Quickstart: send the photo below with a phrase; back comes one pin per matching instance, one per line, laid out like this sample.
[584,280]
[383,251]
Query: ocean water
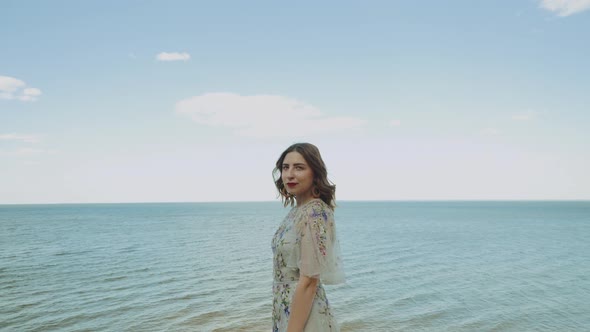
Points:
[411,266]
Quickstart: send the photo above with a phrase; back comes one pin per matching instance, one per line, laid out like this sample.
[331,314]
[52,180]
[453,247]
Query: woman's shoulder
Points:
[316,210]
[316,205]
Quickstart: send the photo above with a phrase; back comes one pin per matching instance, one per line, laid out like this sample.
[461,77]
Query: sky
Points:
[194,101]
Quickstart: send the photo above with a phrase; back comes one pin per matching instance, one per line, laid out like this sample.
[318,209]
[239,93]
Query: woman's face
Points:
[297,176]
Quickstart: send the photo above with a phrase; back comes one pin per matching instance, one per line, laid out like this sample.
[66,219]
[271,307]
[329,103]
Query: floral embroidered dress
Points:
[306,244]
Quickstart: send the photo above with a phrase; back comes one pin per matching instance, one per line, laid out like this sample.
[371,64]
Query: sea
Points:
[410,266]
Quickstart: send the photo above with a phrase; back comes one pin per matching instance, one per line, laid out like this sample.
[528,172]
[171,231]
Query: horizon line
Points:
[276,201]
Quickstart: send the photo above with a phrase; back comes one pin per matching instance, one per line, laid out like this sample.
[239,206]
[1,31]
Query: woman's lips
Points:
[291,185]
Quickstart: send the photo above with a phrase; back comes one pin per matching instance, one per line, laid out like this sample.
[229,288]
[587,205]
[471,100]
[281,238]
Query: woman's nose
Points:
[289,174]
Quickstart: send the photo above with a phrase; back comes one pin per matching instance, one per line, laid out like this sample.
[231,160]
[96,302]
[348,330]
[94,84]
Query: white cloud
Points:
[6,95]
[10,84]
[26,98]
[13,88]
[31,151]
[395,123]
[262,115]
[32,92]
[22,138]
[525,116]
[565,7]
[164,56]
[490,131]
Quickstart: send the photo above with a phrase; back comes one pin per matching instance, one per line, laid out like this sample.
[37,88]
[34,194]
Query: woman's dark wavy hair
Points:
[323,188]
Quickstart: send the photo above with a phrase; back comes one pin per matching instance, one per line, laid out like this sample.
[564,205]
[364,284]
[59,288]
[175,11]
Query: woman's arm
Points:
[301,303]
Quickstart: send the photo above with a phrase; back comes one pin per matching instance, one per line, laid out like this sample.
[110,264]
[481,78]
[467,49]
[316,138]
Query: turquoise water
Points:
[411,266]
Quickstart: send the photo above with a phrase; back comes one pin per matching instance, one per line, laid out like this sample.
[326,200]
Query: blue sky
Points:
[153,101]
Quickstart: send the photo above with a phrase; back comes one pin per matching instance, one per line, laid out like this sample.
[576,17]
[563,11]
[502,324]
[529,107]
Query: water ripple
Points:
[180,267]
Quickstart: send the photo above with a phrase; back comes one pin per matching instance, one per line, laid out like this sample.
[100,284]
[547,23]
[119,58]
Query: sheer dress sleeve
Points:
[319,248]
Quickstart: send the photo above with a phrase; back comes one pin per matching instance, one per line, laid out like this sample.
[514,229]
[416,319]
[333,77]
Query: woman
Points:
[305,248]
